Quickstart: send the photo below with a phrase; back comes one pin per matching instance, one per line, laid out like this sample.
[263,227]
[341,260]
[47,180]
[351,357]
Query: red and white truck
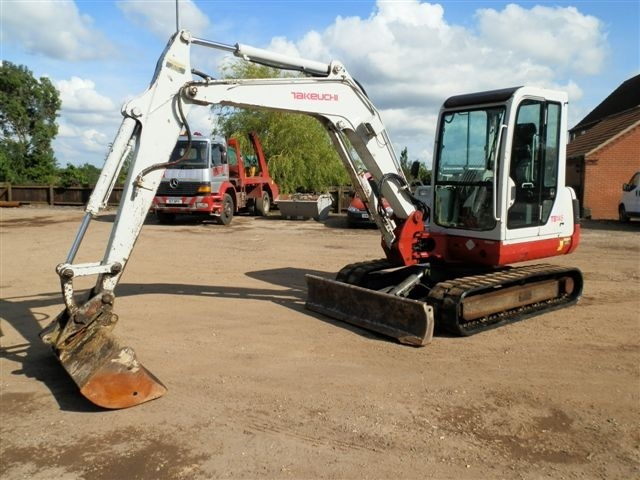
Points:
[215,180]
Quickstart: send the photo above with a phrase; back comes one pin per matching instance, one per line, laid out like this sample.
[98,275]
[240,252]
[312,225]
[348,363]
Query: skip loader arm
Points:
[109,374]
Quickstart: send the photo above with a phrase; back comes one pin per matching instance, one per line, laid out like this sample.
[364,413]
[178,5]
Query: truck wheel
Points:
[263,205]
[226,215]
[165,218]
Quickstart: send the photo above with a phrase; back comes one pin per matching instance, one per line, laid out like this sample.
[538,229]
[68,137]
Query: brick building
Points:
[604,151]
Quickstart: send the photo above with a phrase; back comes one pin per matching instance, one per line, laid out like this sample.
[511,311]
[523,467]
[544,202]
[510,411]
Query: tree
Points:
[424,175]
[28,110]
[404,162]
[86,174]
[300,153]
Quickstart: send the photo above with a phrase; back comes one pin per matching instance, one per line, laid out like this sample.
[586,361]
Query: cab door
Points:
[219,164]
[534,171]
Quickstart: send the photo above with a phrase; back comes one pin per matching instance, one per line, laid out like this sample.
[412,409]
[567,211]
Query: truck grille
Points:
[182,189]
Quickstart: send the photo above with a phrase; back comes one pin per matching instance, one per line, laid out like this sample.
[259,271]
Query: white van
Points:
[630,200]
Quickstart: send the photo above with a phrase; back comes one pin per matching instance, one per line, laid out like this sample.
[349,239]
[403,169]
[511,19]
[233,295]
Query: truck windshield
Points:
[465,166]
[196,158]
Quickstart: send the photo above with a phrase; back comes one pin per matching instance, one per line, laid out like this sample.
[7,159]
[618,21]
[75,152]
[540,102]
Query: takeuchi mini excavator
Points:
[498,198]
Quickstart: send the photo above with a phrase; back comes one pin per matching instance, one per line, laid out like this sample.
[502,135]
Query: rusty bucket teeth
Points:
[409,321]
[108,374]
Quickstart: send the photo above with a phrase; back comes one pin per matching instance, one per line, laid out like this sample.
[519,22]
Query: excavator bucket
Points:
[409,321]
[107,373]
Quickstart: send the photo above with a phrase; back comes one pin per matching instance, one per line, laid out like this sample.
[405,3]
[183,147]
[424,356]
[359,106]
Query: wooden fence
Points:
[79,196]
[52,195]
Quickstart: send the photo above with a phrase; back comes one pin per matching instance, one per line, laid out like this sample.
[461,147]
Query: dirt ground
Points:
[259,387]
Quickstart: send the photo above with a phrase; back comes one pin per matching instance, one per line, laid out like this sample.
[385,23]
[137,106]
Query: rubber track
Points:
[446,297]
[355,272]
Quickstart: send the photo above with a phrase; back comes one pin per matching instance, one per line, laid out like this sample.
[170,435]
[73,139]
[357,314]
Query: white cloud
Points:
[561,37]
[410,59]
[54,29]
[413,128]
[94,140]
[79,95]
[78,145]
[87,123]
[160,16]
[201,120]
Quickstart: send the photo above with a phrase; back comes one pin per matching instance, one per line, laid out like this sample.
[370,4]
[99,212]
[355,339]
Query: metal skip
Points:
[409,321]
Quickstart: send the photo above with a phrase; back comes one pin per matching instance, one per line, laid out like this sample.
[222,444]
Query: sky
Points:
[409,55]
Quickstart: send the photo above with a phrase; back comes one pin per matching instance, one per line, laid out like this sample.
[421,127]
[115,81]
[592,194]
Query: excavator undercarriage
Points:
[410,303]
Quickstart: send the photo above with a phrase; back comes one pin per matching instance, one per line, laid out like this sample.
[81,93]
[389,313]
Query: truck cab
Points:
[215,180]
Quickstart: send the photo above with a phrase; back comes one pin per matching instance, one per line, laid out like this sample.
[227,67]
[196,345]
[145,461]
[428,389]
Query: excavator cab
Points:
[465,169]
[498,177]
[498,198]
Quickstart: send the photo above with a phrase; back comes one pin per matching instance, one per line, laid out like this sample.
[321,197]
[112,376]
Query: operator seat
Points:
[521,213]
[521,156]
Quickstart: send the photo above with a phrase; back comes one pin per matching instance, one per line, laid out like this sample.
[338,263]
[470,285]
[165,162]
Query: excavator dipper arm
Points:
[106,372]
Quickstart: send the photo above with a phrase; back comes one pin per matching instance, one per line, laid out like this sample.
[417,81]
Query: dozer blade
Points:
[107,373]
[409,321]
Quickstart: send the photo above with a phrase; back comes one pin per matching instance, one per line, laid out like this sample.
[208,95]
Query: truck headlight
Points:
[204,189]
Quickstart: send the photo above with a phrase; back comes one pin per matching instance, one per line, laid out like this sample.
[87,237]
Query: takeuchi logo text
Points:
[323,97]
